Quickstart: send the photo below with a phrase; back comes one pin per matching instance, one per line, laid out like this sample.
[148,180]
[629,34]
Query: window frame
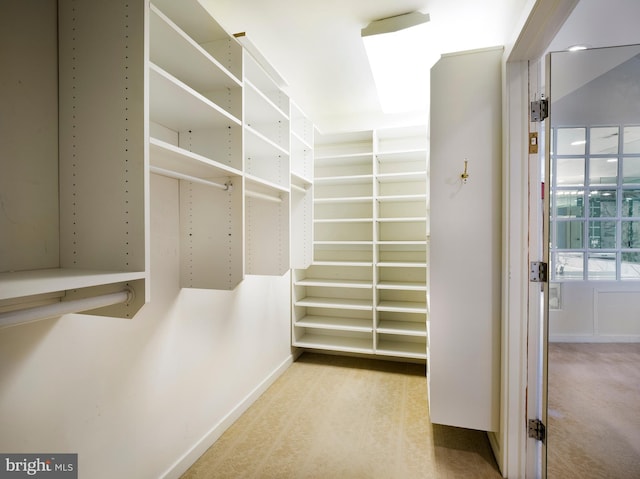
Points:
[590,222]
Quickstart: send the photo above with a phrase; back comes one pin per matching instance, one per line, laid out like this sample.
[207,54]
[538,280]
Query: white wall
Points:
[596,311]
[131,397]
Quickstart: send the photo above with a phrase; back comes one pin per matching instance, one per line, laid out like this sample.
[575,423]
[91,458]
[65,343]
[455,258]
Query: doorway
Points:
[593,133]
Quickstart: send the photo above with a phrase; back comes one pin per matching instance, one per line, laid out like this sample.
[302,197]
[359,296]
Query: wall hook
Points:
[464,174]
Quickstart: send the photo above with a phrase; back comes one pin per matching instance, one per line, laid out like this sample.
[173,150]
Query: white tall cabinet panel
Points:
[465,249]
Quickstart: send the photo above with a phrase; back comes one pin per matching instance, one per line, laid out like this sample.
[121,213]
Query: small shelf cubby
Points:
[333,305]
[266,126]
[267,238]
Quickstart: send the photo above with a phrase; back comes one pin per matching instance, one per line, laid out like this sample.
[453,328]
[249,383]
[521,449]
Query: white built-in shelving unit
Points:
[122,89]
[366,289]
[195,113]
[221,125]
[73,155]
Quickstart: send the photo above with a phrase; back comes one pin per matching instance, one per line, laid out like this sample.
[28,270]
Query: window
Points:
[595,203]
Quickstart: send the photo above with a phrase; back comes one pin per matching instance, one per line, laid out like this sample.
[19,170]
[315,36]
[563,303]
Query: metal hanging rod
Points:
[65,307]
[193,179]
[263,196]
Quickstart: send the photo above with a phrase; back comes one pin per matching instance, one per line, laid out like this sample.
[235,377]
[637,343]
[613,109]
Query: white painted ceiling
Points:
[316,47]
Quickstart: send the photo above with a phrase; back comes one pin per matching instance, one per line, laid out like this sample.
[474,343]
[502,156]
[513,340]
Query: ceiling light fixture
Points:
[577,48]
[398,52]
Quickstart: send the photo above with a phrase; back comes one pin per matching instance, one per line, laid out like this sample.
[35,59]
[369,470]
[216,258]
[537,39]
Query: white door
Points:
[592,240]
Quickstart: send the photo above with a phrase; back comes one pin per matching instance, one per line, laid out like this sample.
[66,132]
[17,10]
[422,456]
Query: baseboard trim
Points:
[570,338]
[199,448]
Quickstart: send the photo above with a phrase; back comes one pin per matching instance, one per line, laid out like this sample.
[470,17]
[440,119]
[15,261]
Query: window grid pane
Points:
[630,266]
[601,266]
[595,203]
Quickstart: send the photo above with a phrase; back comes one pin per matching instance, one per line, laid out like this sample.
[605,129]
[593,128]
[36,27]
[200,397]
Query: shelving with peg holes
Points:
[73,182]
[195,113]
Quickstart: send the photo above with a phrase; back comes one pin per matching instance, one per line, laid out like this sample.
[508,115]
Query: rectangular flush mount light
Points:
[397,49]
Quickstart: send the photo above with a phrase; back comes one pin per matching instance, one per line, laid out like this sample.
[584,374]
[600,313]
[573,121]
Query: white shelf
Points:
[402,306]
[340,283]
[29,283]
[391,198]
[260,108]
[338,303]
[261,81]
[171,157]
[300,180]
[401,264]
[343,180]
[175,51]
[301,127]
[335,323]
[400,285]
[258,145]
[402,349]
[352,199]
[344,158]
[179,107]
[343,220]
[408,328]
[413,219]
[335,343]
[403,243]
[343,243]
[296,137]
[401,177]
[363,264]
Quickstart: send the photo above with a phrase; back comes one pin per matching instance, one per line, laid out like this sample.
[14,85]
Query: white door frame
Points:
[520,457]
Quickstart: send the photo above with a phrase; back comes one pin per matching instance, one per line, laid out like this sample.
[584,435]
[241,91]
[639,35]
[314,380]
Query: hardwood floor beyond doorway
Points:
[342,417]
[594,411]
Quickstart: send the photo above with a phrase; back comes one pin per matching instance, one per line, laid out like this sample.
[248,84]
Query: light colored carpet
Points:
[594,411]
[348,418]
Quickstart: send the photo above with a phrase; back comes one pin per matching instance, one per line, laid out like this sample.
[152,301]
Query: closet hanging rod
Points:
[192,179]
[298,188]
[263,196]
[65,307]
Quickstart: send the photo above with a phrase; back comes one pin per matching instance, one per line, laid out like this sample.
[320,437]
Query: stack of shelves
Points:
[221,125]
[122,89]
[366,289]
[73,155]
[195,96]
[267,172]
[401,220]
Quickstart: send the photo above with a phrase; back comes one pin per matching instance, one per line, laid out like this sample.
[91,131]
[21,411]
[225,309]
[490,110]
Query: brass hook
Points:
[464,174]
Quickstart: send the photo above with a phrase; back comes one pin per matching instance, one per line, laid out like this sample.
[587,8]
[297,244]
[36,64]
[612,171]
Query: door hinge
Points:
[538,272]
[539,110]
[537,430]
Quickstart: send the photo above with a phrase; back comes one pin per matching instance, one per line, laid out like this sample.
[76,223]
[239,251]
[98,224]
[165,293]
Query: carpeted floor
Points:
[594,411]
[347,418]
